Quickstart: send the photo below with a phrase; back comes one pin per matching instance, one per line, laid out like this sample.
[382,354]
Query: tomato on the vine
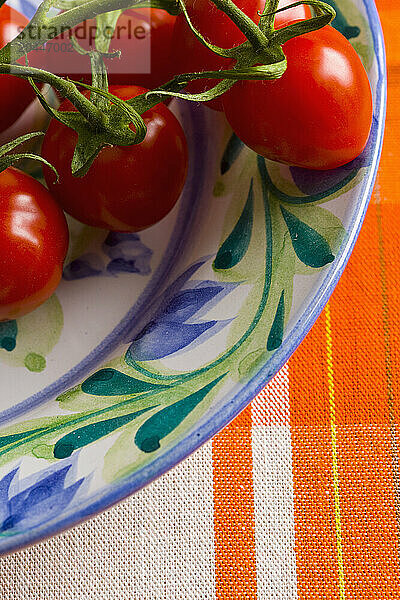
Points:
[127,188]
[190,55]
[15,94]
[318,115]
[142,35]
[33,244]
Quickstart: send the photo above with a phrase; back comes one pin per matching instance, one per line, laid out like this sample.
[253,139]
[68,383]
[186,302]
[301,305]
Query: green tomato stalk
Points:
[104,119]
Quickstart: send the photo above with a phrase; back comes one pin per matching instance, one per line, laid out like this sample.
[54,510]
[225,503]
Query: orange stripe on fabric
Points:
[364,388]
[235,562]
[362,415]
[388,220]
[316,540]
[358,337]
[389,12]
[389,216]
[308,387]
[364,447]
[389,163]
[387,197]
[369,532]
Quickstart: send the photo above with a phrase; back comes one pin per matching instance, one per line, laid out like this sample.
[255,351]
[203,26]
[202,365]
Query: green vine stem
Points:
[260,57]
[96,118]
[266,22]
[8,158]
[67,88]
[42,28]
[65,422]
[230,76]
[250,29]
[323,15]
[103,119]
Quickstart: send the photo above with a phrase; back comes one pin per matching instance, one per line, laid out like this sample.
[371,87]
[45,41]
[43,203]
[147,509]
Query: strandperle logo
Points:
[61,55]
[86,31]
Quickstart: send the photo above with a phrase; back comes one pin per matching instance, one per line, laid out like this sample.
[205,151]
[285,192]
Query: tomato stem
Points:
[102,118]
[99,80]
[8,157]
[67,88]
[267,19]
[324,14]
[250,29]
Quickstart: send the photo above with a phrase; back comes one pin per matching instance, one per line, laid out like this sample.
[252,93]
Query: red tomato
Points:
[33,244]
[126,188]
[15,94]
[142,35]
[317,115]
[190,55]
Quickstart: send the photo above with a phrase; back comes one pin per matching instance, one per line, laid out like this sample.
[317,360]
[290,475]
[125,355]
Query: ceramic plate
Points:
[155,341]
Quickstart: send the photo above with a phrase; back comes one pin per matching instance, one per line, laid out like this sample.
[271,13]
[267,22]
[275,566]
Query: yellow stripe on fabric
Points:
[335,468]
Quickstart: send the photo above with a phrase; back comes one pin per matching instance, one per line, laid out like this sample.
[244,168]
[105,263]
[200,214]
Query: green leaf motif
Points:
[27,341]
[341,24]
[109,382]
[8,335]
[236,244]
[310,247]
[91,433]
[231,153]
[9,439]
[276,334]
[156,428]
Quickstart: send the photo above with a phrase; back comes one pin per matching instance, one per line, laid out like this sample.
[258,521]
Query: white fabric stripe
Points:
[157,545]
[274,512]
[272,403]
[174,531]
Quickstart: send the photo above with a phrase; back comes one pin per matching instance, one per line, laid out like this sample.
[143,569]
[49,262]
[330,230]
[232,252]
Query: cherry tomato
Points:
[15,94]
[190,55]
[33,244]
[126,188]
[142,35]
[317,115]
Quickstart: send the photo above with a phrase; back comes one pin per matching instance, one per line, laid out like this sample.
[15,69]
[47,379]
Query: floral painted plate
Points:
[155,341]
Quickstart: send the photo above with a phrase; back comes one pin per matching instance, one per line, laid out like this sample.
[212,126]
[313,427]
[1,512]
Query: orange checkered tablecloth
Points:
[300,496]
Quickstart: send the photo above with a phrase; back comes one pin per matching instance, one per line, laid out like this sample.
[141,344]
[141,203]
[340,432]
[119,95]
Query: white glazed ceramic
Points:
[155,341]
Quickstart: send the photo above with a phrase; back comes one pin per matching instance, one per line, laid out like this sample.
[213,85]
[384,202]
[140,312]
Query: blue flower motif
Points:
[30,502]
[125,253]
[178,322]
[128,254]
[87,265]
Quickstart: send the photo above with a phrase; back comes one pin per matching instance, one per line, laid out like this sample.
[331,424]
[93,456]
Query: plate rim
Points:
[117,492]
